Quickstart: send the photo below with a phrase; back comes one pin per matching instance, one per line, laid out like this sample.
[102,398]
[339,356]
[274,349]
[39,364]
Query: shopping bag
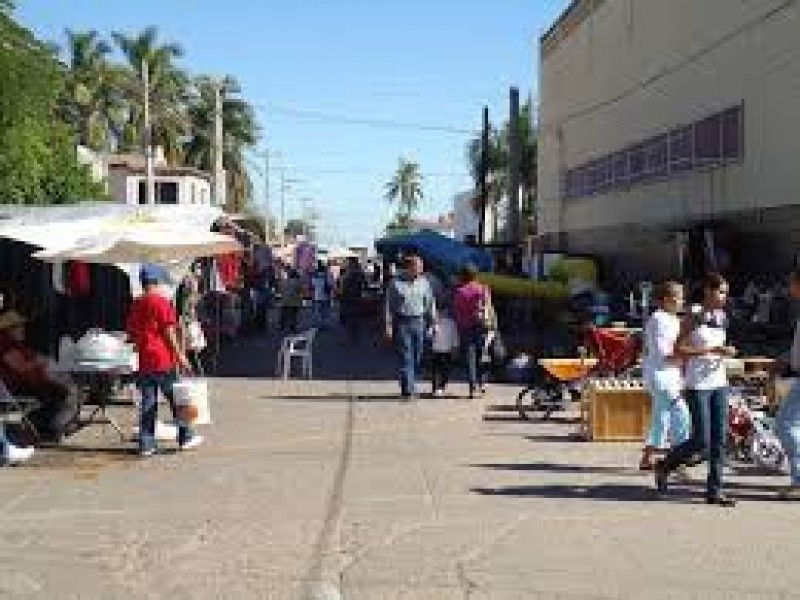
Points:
[192,401]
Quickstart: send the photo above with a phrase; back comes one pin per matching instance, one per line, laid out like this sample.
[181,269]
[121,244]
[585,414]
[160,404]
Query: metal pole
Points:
[283,207]
[150,186]
[484,173]
[219,175]
[266,188]
[514,170]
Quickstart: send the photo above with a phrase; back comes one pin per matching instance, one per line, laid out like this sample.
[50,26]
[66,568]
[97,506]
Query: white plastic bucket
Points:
[193,392]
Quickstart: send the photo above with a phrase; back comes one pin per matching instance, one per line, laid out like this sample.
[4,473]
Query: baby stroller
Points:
[751,436]
[558,382]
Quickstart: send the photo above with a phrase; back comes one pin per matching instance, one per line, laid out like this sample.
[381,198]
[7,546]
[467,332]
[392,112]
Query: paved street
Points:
[333,489]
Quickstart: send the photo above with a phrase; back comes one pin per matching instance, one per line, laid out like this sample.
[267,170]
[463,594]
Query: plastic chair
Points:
[297,346]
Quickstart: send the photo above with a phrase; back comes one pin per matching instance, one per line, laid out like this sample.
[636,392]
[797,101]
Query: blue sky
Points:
[428,62]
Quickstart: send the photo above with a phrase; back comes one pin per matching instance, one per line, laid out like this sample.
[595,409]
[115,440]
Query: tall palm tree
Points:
[89,101]
[240,133]
[498,162]
[169,89]
[404,190]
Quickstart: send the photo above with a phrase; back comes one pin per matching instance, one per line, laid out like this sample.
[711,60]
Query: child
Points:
[443,346]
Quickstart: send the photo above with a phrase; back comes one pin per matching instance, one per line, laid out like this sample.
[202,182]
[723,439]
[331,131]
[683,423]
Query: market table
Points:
[98,380]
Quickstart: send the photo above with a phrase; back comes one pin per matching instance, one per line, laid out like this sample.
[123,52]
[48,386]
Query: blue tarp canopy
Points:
[439,252]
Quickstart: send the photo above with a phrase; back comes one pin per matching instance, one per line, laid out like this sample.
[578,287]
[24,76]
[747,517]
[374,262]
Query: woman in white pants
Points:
[670,421]
[787,425]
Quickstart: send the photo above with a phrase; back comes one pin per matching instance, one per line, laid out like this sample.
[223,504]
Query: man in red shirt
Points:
[152,323]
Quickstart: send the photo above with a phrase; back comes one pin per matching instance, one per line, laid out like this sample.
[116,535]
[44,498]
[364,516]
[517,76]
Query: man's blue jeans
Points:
[149,386]
[709,412]
[787,426]
[409,339]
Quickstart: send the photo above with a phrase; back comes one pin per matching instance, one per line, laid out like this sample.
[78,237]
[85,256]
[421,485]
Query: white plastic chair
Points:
[297,346]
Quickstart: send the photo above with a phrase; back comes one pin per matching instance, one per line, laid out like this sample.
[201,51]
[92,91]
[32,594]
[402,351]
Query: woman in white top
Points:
[703,343]
[670,421]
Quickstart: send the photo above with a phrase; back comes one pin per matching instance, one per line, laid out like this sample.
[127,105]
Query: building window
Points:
[620,168]
[638,160]
[166,192]
[681,149]
[656,157]
[708,143]
[732,133]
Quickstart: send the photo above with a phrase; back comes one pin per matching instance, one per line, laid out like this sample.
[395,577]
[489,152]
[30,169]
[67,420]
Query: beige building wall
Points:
[632,69]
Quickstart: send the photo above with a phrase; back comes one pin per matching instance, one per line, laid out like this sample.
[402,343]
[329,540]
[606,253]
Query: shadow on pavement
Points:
[556,468]
[333,398]
[603,492]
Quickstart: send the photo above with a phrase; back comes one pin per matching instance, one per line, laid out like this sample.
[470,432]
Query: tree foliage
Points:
[38,157]
[404,190]
[107,100]
[498,161]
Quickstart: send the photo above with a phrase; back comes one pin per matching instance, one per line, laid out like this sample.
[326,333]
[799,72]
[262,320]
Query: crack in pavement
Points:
[468,586]
[316,586]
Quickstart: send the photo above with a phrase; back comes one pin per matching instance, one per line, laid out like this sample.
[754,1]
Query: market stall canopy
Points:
[114,234]
[438,251]
[340,254]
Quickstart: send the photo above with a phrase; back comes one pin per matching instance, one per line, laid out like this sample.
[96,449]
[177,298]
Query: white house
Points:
[125,176]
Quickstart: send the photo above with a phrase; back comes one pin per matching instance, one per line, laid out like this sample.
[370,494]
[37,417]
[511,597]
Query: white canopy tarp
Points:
[113,233]
[121,235]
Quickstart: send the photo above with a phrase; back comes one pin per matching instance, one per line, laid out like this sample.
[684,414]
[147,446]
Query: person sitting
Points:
[25,374]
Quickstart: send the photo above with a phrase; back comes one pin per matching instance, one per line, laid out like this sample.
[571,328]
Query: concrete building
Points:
[668,136]
[125,178]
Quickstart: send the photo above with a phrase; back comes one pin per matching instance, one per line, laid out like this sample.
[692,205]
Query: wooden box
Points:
[618,411]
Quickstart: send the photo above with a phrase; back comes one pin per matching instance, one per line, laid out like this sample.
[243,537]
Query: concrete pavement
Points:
[333,489]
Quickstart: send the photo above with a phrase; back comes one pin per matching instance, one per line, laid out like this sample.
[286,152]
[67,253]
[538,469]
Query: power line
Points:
[333,118]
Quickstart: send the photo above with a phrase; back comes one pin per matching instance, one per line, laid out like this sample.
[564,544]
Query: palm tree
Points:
[240,133]
[87,62]
[169,89]
[498,163]
[405,190]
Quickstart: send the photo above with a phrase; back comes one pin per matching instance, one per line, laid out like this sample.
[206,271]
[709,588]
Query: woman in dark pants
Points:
[702,342]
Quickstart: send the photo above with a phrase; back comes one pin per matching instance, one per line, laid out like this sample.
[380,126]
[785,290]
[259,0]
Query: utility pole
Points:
[150,185]
[266,186]
[514,169]
[484,175]
[282,223]
[219,174]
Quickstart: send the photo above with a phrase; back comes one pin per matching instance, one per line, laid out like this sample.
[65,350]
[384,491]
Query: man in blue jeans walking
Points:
[410,310]
[152,323]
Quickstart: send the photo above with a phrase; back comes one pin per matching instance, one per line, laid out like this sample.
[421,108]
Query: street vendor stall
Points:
[123,236]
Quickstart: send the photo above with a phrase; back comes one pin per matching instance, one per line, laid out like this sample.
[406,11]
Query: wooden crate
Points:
[617,413]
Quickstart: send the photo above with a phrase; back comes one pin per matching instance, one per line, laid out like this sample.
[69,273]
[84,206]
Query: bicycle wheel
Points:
[536,402]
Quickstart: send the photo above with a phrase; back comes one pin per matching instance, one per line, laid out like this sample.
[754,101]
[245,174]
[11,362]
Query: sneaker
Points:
[790,493]
[147,453]
[438,393]
[194,442]
[682,474]
[14,455]
[720,499]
